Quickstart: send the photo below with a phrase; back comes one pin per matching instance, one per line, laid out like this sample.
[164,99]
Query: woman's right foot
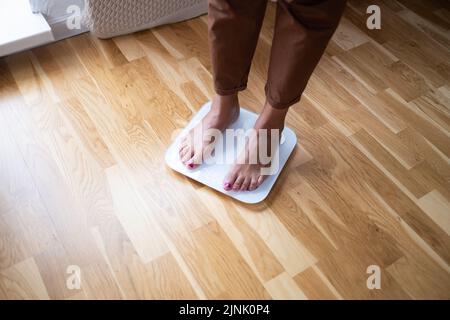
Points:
[254,164]
[200,141]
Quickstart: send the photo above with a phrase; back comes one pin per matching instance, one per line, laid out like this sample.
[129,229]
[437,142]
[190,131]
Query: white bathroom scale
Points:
[213,172]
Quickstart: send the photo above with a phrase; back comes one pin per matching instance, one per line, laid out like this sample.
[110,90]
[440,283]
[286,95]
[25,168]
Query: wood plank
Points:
[313,286]
[283,287]
[22,282]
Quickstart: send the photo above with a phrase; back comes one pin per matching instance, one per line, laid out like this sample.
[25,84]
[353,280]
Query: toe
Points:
[227,186]
[182,151]
[195,161]
[260,180]
[200,155]
[190,164]
[253,184]
[229,181]
[187,156]
[245,184]
[237,184]
[184,143]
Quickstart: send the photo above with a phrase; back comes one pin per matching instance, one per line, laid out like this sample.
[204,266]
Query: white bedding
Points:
[109,18]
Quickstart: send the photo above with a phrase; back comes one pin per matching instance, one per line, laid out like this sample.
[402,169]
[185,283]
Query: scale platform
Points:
[213,173]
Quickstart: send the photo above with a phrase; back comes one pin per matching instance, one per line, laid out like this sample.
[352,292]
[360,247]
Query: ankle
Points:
[271,117]
[226,102]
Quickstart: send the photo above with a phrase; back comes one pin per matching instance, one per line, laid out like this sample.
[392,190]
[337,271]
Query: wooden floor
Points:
[84,124]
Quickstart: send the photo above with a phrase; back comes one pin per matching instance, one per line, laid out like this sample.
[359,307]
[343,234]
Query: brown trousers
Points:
[302,31]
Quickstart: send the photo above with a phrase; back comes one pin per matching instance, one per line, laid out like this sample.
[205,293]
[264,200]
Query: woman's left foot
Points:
[250,170]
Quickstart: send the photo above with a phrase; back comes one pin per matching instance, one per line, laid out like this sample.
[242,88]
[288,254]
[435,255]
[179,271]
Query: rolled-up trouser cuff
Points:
[280,104]
[227,92]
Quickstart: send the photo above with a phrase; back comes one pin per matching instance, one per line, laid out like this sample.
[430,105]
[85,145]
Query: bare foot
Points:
[199,142]
[248,172]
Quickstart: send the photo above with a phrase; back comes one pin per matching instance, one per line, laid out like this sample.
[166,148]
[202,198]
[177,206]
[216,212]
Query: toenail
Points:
[227,185]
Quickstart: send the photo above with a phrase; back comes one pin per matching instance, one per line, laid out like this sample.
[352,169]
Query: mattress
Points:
[109,18]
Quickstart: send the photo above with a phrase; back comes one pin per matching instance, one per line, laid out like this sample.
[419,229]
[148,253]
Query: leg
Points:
[234,27]
[302,31]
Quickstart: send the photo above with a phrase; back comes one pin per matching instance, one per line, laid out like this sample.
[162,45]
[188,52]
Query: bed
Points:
[109,18]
